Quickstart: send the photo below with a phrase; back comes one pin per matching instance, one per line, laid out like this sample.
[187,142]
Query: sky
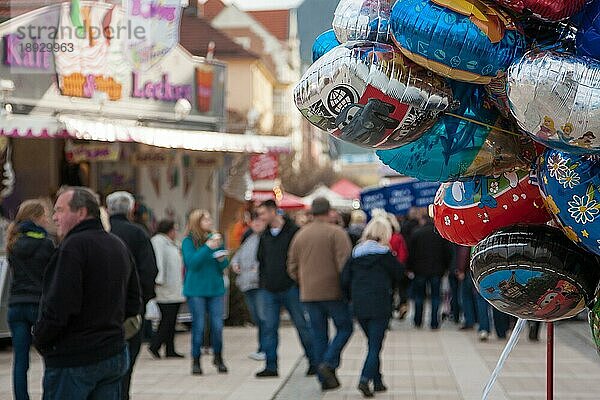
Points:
[265,4]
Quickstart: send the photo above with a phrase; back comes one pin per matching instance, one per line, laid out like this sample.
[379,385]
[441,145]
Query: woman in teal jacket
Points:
[204,259]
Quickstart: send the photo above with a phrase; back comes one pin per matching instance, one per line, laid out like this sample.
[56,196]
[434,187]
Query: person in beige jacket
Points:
[316,258]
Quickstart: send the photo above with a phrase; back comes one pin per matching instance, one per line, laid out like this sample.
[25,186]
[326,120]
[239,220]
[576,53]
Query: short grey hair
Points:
[120,203]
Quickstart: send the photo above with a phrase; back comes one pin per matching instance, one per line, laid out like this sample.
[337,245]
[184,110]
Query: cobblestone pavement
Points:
[417,364]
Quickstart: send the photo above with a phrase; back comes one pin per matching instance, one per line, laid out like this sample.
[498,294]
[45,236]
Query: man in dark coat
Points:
[90,288]
[120,207]
[277,289]
[429,257]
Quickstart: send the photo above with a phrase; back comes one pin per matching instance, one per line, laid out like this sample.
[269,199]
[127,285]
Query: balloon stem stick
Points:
[550,362]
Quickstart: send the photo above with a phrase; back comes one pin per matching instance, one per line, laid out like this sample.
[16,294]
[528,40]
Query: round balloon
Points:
[555,97]
[324,43]
[362,20]
[571,185]
[588,34]
[467,212]
[464,40]
[553,10]
[467,143]
[366,94]
[549,35]
[535,273]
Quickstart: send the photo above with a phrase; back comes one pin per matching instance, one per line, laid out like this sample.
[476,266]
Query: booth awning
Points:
[38,126]
[337,202]
[287,202]
[346,189]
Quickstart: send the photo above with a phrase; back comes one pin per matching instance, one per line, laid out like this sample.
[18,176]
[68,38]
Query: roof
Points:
[196,34]
[337,201]
[13,8]
[287,202]
[346,189]
[277,22]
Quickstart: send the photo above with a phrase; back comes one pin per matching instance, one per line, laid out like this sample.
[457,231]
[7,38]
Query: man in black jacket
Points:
[120,207]
[277,288]
[90,288]
[429,257]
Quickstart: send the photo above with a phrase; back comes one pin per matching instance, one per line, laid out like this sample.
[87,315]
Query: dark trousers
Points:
[98,381]
[374,329]
[256,313]
[166,329]
[454,297]
[21,317]
[325,351]
[420,284]
[133,344]
[271,303]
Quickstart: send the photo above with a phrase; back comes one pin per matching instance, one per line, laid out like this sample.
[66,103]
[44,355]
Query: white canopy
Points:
[336,201]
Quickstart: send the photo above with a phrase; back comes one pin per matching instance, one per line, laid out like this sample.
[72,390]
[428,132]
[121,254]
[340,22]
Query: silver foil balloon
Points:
[555,97]
[362,20]
[366,94]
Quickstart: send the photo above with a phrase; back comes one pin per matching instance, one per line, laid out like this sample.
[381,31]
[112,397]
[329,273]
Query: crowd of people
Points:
[81,304]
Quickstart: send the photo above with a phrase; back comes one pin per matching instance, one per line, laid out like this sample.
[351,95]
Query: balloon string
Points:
[512,342]
[481,123]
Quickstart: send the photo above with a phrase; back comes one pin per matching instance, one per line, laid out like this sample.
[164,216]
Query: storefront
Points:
[114,113]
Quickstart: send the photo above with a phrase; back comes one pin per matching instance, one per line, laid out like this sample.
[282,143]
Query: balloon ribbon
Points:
[474,121]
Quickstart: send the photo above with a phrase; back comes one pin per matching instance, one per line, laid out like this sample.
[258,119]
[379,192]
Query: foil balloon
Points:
[471,141]
[466,212]
[535,273]
[594,320]
[362,20]
[571,185]
[463,40]
[555,97]
[552,10]
[549,35]
[588,34]
[324,43]
[366,94]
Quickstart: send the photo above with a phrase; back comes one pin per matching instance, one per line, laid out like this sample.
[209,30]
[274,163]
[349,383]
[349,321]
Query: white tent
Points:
[337,202]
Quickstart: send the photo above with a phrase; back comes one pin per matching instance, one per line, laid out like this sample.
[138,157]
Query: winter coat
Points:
[245,257]
[90,288]
[368,280]
[27,261]
[169,280]
[272,258]
[316,258]
[138,242]
[429,255]
[203,272]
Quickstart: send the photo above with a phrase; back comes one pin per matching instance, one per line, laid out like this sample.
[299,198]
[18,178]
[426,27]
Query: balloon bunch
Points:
[500,101]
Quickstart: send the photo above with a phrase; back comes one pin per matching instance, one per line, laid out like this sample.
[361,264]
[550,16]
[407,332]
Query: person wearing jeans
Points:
[316,257]
[29,251]
[429,258]
[204,286]
[367,281]
[271,303]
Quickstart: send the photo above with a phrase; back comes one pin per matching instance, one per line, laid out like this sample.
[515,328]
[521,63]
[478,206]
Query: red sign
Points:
[264,167]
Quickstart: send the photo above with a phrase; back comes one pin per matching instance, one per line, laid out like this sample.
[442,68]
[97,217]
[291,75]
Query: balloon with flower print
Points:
[571,186]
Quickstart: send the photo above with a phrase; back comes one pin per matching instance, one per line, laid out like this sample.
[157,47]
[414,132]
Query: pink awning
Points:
[287,202]
[346,189]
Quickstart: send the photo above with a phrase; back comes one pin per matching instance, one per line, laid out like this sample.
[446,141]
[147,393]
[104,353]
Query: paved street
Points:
[418,364]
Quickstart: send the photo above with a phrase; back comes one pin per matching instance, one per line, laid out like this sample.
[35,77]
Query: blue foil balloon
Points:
[464,40]
[571,186]
[456,148]
[362,20]
[588,35]
[325,42]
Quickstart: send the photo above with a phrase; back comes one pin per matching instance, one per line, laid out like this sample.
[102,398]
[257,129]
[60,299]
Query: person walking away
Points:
[29,250]
[278,288]
[120,207]
[204,259]
[429,257]
[90,290]
[367,281]
[400,250]
[245,264]
[358,221]
[169,287]
[316,257]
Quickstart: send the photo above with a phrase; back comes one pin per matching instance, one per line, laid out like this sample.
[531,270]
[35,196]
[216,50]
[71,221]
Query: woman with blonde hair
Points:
[368,279]
[29,250]
[204,259]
